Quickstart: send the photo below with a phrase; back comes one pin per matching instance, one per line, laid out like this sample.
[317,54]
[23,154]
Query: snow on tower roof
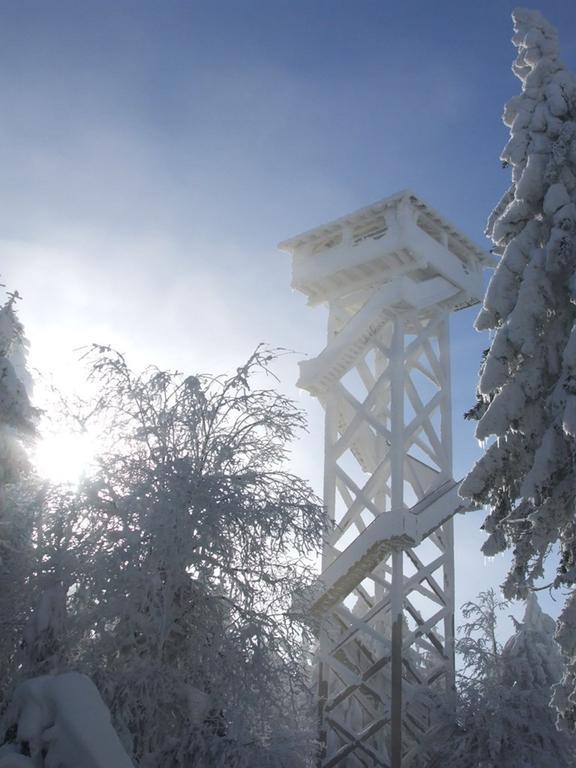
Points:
[370,212]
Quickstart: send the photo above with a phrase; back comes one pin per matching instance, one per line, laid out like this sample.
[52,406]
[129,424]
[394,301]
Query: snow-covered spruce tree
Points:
[175,565]
[504,718]
[527,388]
[17,426]
[17,416]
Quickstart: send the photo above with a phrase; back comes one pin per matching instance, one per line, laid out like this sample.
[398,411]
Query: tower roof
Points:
[372,212]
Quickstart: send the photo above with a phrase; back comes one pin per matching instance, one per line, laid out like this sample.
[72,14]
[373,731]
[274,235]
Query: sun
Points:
[65,457]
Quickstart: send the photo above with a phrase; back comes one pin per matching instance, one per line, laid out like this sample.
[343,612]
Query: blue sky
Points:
[153,154]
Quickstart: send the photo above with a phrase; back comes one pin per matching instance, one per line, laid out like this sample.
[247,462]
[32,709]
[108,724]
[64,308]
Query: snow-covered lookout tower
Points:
[391,274]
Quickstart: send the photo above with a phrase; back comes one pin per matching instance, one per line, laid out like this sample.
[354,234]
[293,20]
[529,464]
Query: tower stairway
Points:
[377,541]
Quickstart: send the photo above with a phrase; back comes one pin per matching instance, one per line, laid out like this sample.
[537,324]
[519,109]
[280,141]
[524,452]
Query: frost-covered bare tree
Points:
[168,577]
[504,718]
[527,388]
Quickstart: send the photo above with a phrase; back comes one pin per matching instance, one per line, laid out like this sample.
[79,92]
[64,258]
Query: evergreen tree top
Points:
[531,658]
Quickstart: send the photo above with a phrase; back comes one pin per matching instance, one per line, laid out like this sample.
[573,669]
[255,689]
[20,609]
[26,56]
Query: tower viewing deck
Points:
[390,274]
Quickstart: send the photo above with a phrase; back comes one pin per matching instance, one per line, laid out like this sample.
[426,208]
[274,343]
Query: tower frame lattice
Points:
[391,274]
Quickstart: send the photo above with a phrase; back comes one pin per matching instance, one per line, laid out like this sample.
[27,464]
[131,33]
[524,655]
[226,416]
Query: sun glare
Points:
[64,458]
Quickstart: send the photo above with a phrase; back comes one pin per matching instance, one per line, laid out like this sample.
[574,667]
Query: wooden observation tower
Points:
[390,274]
